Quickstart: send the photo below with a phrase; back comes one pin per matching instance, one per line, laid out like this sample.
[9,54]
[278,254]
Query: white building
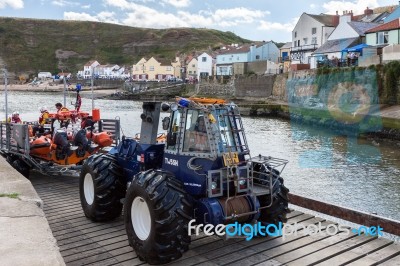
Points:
[310,32]
[204,65]
[44,75]
[89,69]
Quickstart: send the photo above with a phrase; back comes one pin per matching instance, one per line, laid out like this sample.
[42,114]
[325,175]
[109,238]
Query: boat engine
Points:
[63,146]
[83,144]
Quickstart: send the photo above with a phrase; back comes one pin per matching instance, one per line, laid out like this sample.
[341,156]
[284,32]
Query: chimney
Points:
[337,13]
[368,11]
[343,12]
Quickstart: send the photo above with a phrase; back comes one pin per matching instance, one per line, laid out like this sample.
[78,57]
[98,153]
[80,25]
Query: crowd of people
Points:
[43,118]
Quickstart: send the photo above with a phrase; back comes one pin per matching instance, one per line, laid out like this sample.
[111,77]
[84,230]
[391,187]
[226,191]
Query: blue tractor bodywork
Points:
[202,171]
[220,178]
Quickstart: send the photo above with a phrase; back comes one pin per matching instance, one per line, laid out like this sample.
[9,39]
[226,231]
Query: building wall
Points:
[177,68]
[206,66]
[267,51]
[232,58]
[192,68]
[240,68]
[391,52]
[254,86]
[154,69]
[138,71]
[283,50]
[303,29]
[393,37]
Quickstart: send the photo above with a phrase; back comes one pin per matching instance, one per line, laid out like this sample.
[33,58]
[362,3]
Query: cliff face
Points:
[28,46]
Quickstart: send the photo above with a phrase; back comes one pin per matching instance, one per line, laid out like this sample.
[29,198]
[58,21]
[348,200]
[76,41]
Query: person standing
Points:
[61,108]
[64,120]
[15,118]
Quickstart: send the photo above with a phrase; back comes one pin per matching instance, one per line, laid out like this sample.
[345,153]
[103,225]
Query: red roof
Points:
[391,25]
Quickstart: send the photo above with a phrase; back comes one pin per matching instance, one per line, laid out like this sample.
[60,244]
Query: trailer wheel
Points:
[101,187]
[156,213]
[22,167]
[277,211]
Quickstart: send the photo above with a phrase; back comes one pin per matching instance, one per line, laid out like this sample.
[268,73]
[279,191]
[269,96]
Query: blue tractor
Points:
[203,172]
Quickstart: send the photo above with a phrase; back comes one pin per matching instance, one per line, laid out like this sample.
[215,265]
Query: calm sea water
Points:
[359,174]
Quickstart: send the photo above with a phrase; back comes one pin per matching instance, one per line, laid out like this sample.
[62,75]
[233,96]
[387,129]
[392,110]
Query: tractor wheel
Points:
[22,167]
[277,211]
[156,213]
[101,187]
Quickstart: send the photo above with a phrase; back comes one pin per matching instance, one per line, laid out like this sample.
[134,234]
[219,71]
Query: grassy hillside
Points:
[31,45]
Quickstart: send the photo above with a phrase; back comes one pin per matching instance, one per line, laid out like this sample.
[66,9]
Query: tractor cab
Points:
[205,131]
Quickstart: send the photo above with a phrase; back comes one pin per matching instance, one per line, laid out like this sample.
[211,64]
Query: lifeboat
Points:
[40,146]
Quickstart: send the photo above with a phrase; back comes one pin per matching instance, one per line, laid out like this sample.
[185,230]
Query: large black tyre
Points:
[276,213]
[19,165]
[101,187]
[156,213]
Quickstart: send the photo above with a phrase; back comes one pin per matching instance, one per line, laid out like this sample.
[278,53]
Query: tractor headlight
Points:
[214,185]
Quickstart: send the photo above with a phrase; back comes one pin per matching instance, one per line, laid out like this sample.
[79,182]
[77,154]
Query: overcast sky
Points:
[251,19]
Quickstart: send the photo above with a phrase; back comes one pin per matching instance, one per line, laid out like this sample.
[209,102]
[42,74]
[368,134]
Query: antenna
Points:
[6,92]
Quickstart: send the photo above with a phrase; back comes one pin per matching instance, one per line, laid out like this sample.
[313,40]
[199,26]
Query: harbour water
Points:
[361,174]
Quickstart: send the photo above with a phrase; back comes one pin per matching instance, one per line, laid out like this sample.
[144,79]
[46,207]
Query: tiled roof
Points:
[90,63]
[392,25]
[287,45]
[236,50]
[362,27]
[327,20]
[375,17]
[338,45]
[164,62]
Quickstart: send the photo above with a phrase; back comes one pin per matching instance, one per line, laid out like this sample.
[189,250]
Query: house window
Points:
[314,40]
[305,40]
[257,57]
[295,43]
[190,72]
[298,43]
[193,65]
[204,59]
[169,68]
[295,34]
[151,68]
[237,58]
[313,30]
[382,37]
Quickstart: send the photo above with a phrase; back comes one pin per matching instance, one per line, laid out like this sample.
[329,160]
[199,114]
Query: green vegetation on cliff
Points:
[32,45]
[386,80]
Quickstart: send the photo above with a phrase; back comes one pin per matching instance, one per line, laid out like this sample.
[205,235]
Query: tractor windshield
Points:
[232,138]
[196,138]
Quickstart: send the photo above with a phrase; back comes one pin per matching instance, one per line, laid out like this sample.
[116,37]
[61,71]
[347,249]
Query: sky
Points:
[257,20]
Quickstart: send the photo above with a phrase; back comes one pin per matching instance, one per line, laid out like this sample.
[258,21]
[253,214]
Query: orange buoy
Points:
[96,114]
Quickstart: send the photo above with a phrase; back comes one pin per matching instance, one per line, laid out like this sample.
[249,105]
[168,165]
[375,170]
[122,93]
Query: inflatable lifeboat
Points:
[65,148]
[40,146]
